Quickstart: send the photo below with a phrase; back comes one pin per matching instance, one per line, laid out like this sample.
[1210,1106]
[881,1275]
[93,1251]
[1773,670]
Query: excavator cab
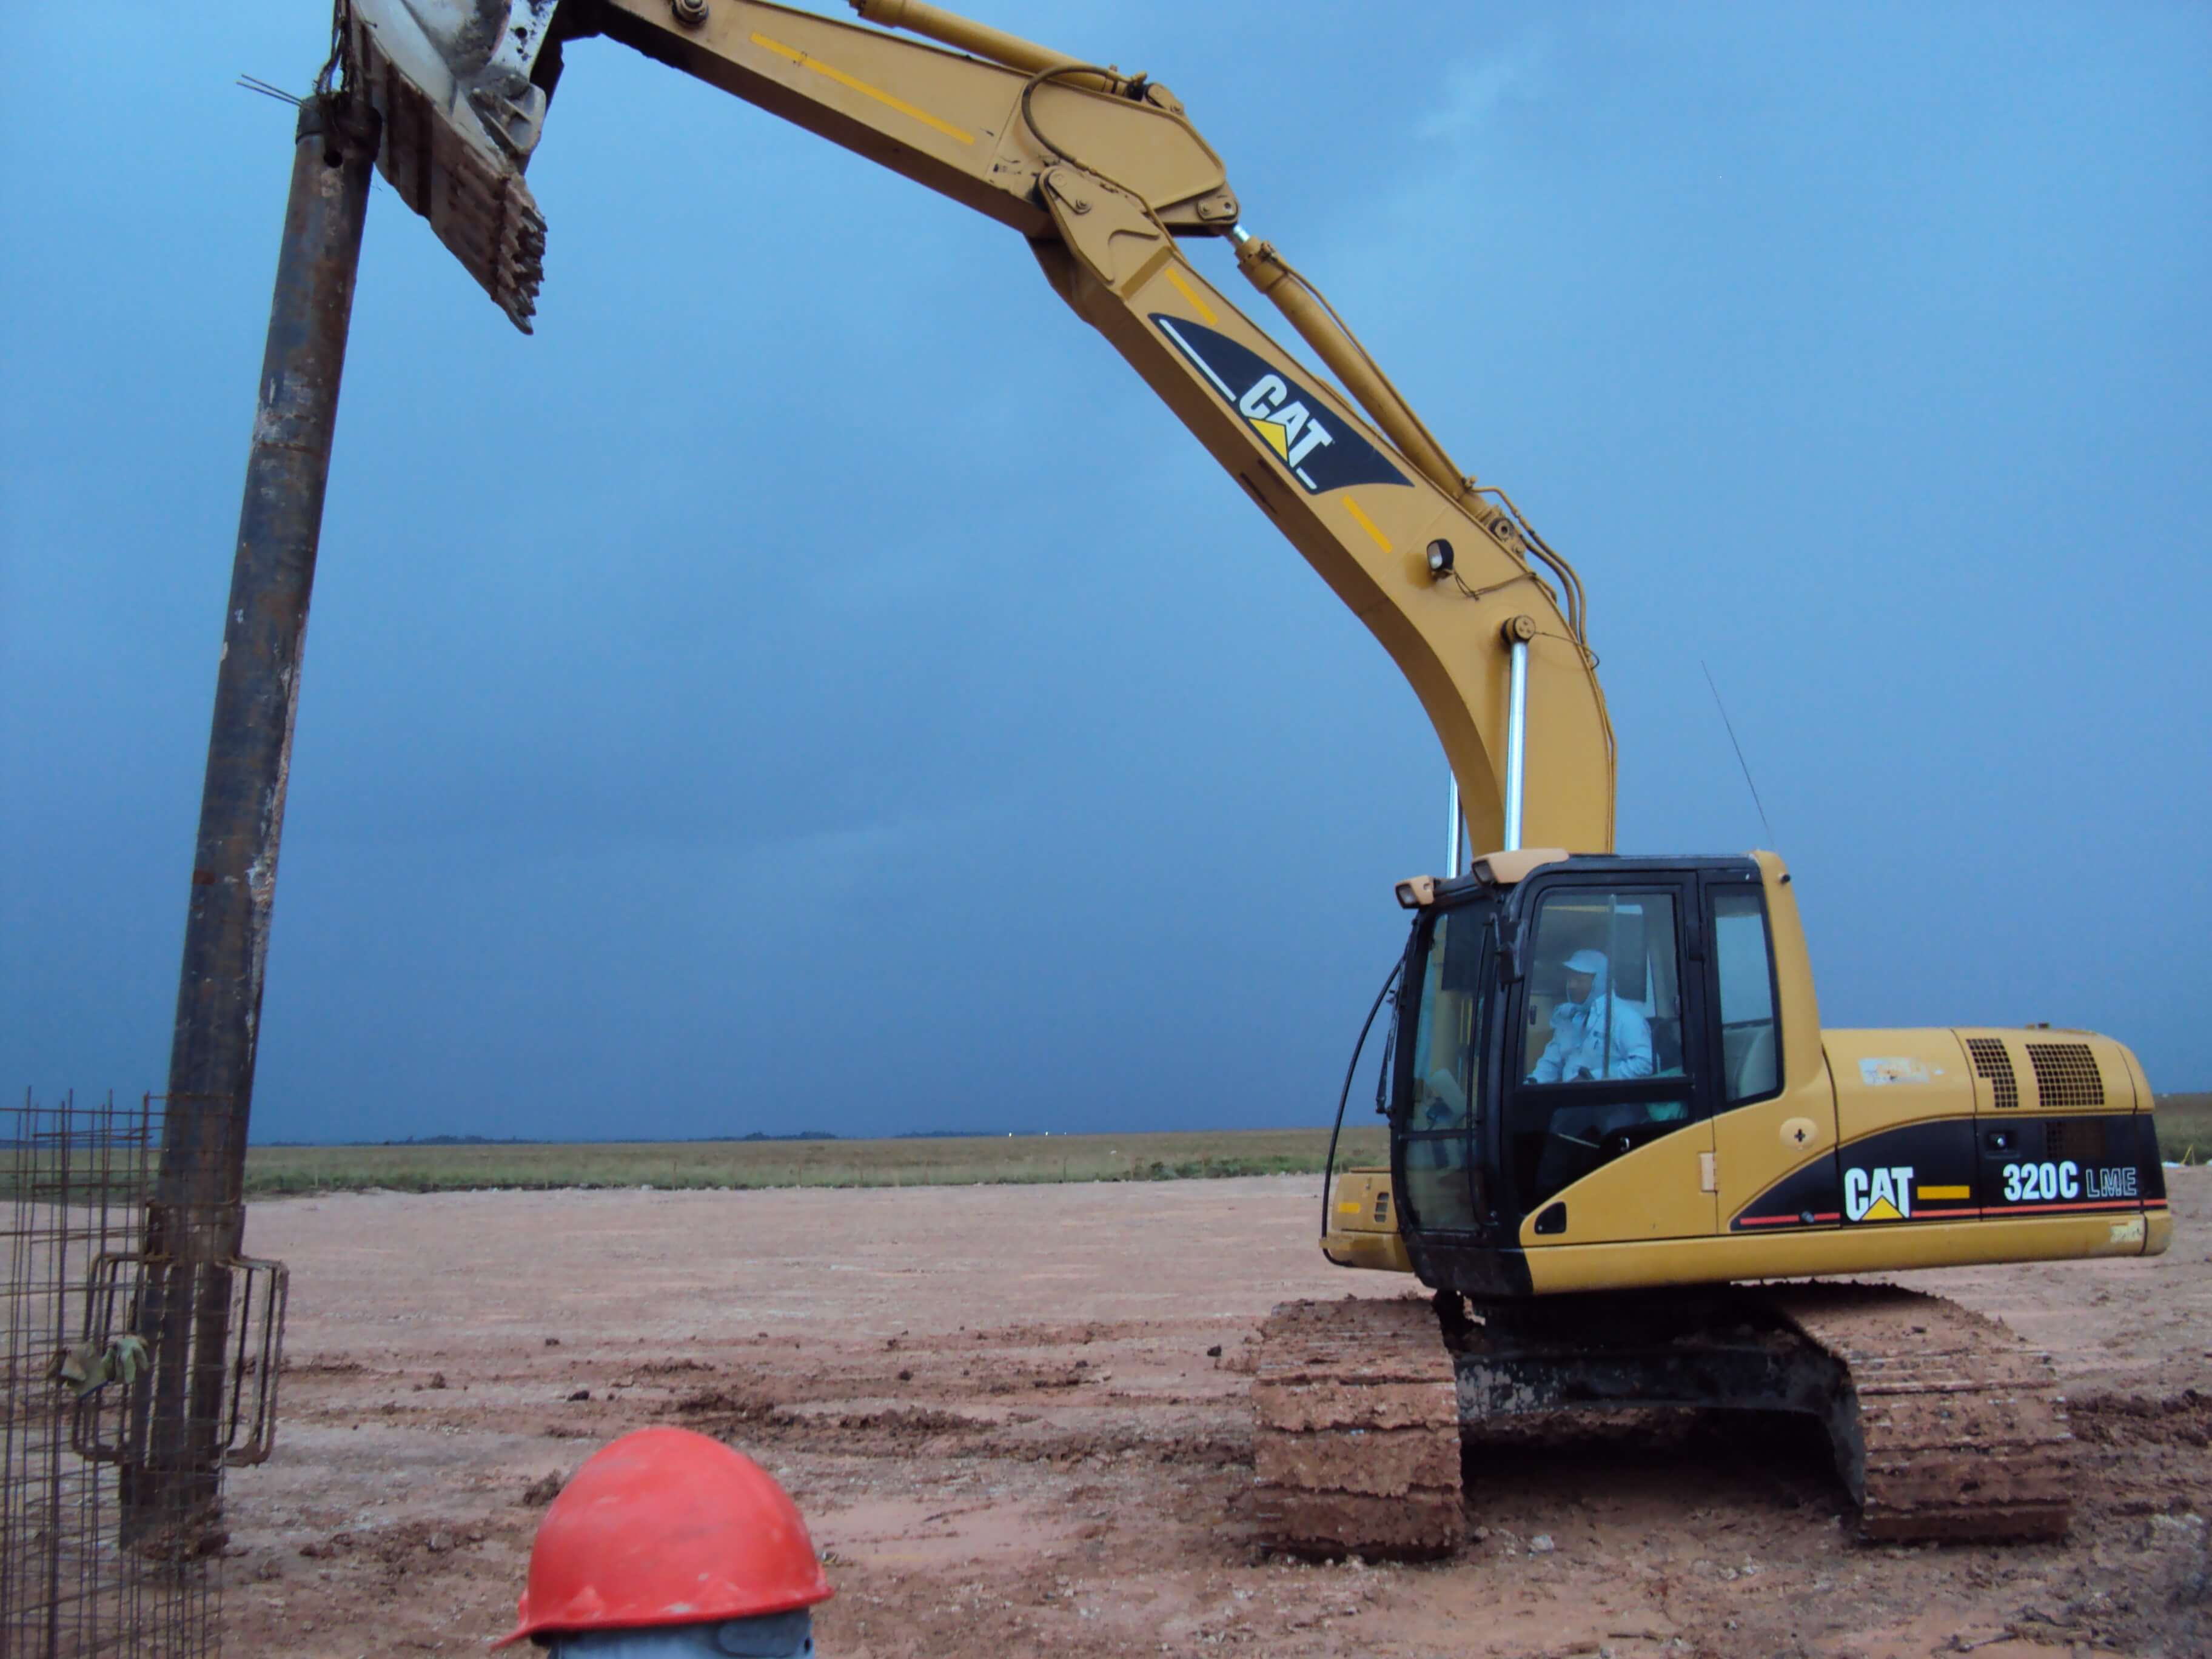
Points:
[1608,1073]
[1562,1017]
[1617,1132]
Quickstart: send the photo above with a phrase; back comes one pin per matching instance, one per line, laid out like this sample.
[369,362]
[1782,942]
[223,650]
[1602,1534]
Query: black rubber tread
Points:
[1356,1432]
[1950,1427]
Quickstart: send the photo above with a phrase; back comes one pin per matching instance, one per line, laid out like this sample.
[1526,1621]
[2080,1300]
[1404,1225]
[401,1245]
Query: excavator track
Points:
[1356,1432]
[1943,1424]
[1949,1427]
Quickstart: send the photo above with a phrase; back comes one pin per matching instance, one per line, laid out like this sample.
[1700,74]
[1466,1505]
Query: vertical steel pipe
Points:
[195,1227]
[1517,743]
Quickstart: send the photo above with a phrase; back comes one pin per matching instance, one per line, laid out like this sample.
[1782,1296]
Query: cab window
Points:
[1440,1181]
[1750,1061]
[1604,998]
[1444,1044]
[1601,1069]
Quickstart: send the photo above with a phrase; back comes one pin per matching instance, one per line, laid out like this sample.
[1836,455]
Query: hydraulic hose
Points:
[1344,1097]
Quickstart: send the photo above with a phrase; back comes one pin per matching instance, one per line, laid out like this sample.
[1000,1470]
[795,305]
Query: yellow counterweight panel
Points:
[2137,1078]
[2037,1069]
[1885,1080]
[1383,1253]
[1363,1223]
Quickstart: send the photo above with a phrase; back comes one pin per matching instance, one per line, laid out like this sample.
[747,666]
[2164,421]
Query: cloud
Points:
[1477,92]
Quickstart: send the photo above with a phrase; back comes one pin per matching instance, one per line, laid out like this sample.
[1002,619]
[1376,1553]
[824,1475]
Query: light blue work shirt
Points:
[1603,1036]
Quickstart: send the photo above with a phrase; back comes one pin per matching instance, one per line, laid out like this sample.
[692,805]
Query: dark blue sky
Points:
[812,682]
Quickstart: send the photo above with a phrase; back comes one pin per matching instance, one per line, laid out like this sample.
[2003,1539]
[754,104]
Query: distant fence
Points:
[74,1184]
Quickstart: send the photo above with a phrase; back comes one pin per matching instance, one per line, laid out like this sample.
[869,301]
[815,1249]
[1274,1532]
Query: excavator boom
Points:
[1104,175]
[1612,1104]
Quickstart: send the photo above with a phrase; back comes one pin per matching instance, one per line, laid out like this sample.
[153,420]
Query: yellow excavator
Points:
[1624,1157]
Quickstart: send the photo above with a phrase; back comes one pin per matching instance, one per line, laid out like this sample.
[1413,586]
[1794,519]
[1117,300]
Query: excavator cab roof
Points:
[1494,870]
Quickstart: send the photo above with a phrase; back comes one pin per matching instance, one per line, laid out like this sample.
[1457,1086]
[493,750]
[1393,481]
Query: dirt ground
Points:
[1013,1420]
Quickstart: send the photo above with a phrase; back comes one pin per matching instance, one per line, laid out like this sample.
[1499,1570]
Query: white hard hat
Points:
[1586,962]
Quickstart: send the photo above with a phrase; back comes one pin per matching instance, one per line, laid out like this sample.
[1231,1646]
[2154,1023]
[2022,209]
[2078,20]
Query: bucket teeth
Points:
[437,156]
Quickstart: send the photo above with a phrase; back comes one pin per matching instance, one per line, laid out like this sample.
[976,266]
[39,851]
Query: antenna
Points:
[1739,760]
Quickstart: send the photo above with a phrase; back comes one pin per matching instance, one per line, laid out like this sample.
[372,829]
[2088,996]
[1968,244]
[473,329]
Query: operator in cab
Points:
[1594,1033]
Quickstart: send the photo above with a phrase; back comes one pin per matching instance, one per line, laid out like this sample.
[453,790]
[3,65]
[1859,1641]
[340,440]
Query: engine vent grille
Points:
[2066,1075]
[2083,1139]
[1991,1061]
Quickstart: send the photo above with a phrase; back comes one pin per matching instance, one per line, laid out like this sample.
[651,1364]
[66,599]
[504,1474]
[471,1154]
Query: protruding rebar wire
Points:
[75,1177]
[255,83]
[341,14]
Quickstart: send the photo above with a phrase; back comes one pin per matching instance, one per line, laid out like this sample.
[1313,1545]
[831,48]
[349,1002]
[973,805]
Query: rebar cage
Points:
[75,1181]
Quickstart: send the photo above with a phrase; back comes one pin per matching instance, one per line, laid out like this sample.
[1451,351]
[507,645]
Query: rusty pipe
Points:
[196,1225]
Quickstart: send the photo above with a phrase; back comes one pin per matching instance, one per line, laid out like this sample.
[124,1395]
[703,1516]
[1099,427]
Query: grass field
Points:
[2185,1130]
[963,1161]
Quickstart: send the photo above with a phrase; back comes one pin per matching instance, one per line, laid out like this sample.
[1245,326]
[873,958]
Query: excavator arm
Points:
[1706,1166]
[1103,174]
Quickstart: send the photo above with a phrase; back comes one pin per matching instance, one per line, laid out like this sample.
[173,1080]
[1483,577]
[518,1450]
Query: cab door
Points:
[1437,1103]
[1606,1132]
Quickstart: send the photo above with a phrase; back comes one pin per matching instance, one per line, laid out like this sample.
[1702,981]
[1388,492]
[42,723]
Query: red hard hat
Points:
[667,1527]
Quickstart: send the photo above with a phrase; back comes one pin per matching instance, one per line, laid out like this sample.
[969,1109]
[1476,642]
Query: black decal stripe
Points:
[1808,1196]
[1952,1152]
[1233,369]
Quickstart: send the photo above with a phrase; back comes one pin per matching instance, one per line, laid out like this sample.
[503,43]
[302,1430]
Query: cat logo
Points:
[1288,427]
[1877,1195]
[1318,452]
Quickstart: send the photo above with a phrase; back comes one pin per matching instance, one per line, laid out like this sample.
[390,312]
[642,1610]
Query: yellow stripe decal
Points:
[1947,1192]
[1366,524]
[1205,311]
[863,88]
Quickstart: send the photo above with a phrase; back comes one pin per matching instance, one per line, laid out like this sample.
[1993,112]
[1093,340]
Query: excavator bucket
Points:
[453,79]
